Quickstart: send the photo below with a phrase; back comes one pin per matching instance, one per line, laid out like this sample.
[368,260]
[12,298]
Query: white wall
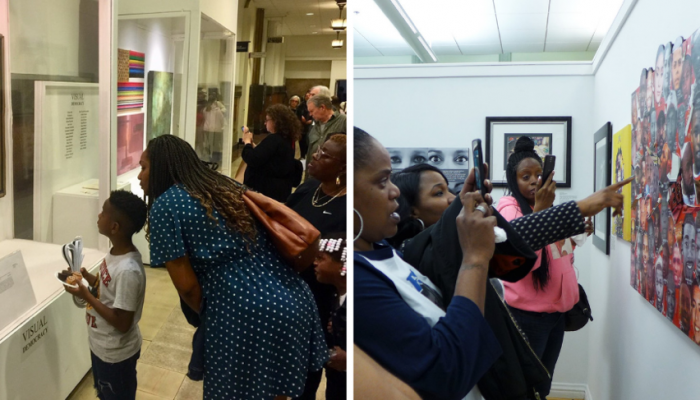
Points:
[308,69]
[314,47]
[154,37]
[225,12]
[635,353]
[451,112]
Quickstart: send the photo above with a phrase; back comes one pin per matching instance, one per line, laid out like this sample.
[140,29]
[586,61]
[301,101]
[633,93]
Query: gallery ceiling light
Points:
[395,13]
[339,24]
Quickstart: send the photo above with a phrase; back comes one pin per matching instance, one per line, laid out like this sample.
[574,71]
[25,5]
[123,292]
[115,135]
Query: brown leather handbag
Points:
[294,237]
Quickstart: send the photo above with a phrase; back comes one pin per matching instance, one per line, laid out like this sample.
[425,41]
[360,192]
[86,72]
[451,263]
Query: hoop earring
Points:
[362,224]
[422,224]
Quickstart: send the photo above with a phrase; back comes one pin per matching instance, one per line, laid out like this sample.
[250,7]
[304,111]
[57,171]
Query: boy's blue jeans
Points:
[115,381]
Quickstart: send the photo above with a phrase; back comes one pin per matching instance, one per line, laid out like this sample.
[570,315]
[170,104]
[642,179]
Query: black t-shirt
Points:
[327,219]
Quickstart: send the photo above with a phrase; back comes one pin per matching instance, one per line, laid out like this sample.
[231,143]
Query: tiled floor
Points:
[166,349]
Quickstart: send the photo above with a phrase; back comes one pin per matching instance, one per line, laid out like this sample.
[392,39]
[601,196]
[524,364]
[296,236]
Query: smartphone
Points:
[479,166]
[243,129]
[549,162]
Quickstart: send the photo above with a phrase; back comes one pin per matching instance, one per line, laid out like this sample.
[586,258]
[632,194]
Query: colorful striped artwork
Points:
[136,64]
[130,85]
[129,95]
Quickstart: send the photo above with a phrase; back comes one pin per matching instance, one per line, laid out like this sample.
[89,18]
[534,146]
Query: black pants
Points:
[304,144]
[335,384]
[115,381]
[196,367]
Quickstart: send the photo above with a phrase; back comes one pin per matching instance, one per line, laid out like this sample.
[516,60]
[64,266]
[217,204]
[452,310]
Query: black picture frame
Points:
[518,126]
[602,176]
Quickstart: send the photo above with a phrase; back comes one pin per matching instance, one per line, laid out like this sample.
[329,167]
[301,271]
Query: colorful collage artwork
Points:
[665,216]
[130,72]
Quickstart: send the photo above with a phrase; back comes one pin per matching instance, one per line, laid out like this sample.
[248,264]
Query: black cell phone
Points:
[549,162]
[479,166]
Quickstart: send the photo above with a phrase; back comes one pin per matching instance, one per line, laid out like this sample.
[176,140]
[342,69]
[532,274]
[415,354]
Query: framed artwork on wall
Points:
[453,162]
[552,135]
[601,179]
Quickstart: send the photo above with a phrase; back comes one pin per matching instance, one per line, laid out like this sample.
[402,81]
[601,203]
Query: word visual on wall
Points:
[666,158]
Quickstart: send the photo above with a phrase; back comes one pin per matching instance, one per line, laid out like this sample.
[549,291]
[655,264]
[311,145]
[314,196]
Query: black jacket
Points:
[436,252]
[270,169]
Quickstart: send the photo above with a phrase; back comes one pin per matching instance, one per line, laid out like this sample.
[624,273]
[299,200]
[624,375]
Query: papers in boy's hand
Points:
[73,254]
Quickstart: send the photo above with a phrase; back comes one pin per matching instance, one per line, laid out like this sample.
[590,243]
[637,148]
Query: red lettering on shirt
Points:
[90,321]
[104,274]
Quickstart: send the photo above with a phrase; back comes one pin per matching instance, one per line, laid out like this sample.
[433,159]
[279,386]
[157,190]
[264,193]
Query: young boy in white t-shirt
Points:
[113,314]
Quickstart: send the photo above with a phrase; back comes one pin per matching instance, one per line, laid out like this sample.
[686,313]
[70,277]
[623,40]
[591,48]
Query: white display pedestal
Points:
[44,354]
[75,210]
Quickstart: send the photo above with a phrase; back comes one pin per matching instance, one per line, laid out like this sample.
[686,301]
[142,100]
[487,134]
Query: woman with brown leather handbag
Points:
[254,307]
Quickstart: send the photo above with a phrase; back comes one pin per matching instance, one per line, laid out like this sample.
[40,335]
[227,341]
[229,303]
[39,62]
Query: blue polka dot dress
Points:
[263,332]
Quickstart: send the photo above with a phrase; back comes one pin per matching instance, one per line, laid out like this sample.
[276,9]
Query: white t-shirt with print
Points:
[122,285]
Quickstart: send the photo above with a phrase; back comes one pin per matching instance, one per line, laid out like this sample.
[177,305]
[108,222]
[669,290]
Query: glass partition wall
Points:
[215,132]
[56,128]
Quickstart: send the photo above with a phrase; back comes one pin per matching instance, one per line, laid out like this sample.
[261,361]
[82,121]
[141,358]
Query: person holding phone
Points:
[539,301]
[270,164]
[429,331]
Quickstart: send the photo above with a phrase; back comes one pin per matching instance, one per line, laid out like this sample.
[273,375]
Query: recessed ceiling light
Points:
[309,13]
[314,33]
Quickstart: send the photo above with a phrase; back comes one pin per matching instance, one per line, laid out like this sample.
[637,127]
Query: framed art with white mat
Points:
[552,136]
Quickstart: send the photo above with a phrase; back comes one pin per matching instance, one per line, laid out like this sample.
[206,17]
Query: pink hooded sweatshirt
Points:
[561,292]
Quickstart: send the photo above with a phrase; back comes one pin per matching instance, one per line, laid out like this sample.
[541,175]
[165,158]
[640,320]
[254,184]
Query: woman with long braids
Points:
[270,165]
[539,301]
[263,333]
[322,201]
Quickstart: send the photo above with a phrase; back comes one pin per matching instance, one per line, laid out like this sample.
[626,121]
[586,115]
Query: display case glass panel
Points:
[215,130]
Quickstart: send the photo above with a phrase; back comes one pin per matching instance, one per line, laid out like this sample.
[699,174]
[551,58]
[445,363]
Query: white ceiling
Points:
[470,27]
[292,13]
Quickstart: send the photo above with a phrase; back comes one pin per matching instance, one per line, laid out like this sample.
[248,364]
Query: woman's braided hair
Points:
[174,161]
[525,148]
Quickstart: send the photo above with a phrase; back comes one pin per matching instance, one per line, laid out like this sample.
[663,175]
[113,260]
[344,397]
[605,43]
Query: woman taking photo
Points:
[263,334]
[539,300]
[399,320]
[425,195]
[270,164]
[322,201]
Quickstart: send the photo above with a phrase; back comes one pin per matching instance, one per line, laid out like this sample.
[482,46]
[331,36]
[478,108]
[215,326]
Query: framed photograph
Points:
[601,179]
[552,136]
[453,162]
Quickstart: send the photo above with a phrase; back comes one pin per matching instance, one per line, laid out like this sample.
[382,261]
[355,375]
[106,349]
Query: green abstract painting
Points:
[160,103]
